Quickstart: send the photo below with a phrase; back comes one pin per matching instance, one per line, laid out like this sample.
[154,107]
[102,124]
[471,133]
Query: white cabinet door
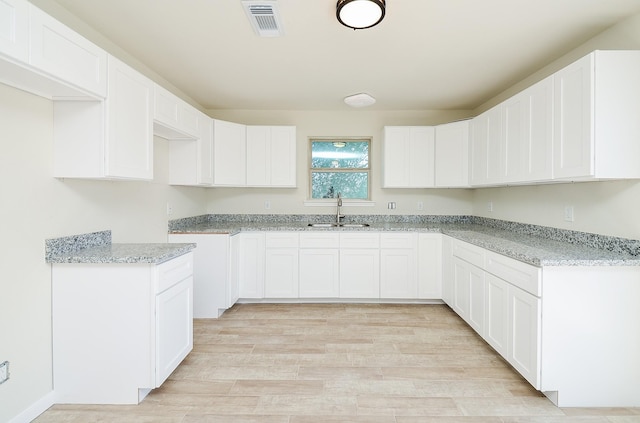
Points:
[233,282]
[129,123]
[430,266]
[525,334]
[271,156]
[281,273]
[110,139]
[538,145]
[174,328]
[461,288]
[62,53]
[496,331]
[173,117]
[251,264]
[14,29]
[398,265]
[229,154]
[486,148]
[596,105]
[319,273]
[447,271]
[452,155]
[408,157]
[191,161]
[573,128]
[359,273]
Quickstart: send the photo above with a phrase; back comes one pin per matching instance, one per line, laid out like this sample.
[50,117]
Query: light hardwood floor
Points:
[340,363]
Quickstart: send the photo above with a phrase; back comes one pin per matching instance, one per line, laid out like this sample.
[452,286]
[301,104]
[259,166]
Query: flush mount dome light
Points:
[360,14]
[359,100]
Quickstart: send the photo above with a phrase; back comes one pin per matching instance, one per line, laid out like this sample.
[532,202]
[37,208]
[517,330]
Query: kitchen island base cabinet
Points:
[119,330]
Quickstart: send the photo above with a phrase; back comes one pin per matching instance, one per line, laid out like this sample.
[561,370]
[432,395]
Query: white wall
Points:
[36,206]
[343,123]
[608,208]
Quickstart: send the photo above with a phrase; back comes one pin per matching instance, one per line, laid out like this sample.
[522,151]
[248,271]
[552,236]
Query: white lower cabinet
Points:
[468,293]
[398,265]
[281,265]
[494,294]
[119,330]
[251,264]
[447,270]
[496,331]
[524,323]
[359,265]
[211,272]
[319,271]
[430,266]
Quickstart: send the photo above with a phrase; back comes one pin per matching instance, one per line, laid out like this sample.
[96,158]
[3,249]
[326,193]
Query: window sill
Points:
[331,202]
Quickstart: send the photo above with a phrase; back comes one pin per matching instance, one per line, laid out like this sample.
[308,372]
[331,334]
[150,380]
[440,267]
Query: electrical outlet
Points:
[490,206]
[420,205]
[391,205]
[4,372]
[169,209]
[267,205]
[568,213]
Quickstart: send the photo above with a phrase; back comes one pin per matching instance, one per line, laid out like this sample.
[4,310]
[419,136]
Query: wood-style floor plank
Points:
[340,363]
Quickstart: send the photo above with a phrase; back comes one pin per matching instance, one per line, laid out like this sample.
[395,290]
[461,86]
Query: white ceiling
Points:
[426,54]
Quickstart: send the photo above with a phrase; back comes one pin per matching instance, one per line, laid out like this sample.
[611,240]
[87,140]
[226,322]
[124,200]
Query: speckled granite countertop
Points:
[532,244]
[96,247]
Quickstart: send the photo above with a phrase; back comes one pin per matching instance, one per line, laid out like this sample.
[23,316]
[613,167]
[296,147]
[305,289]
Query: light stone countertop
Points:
[531,244]
[96,248]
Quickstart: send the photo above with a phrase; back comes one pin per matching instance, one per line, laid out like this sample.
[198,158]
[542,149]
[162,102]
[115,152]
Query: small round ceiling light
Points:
[359,100]
[360,14]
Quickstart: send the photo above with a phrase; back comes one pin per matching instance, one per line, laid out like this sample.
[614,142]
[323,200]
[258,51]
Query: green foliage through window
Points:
[340,166]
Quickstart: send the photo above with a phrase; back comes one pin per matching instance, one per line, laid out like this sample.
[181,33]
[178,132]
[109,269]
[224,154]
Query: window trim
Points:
[323,201]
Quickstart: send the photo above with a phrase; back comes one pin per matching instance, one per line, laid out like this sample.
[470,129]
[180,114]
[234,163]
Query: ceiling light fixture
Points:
[359,100]
[360,14]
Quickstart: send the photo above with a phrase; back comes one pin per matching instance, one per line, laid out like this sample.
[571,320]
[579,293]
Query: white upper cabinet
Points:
[229,153]
[110,139]
[452,155]
[271,156]
[596,109]
[408,157]
[174,118]
[40,55]
[14,26]
[64,54]
[527,131]
[487,166]
[191,161]
[579,124]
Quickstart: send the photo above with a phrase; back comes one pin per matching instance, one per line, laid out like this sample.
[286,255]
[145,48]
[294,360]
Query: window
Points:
[340,166]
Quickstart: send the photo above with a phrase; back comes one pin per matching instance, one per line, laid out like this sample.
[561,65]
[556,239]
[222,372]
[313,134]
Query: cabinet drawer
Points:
[281,240]
[398,240]
[469,253]
[173,271]
[359,240]
[319,240]
[522,275]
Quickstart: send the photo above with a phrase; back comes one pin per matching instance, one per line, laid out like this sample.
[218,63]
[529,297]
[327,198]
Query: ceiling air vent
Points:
[264,17]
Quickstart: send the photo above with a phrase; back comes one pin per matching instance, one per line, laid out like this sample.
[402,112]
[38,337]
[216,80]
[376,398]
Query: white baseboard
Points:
[35,409]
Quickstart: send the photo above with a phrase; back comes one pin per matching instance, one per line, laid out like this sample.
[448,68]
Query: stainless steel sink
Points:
[342,225]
